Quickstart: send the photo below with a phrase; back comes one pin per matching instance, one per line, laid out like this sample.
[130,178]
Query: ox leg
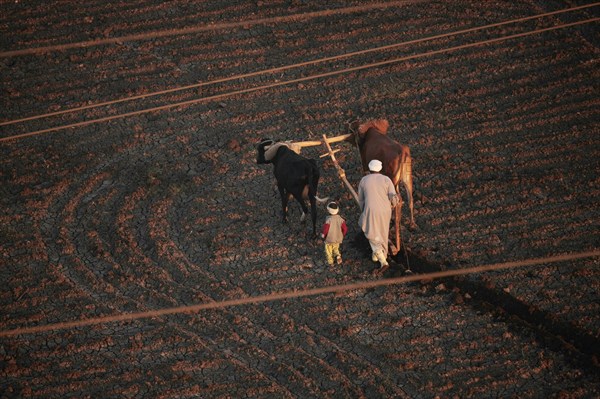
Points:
[397,215]
[313,210]
[313,214]
[302,205]
[284,202]
[407,182]
[409,193]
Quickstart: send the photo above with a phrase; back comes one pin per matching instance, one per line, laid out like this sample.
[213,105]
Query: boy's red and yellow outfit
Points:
[333,232]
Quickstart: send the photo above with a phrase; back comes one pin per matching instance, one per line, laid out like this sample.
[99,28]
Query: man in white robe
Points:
[377,196]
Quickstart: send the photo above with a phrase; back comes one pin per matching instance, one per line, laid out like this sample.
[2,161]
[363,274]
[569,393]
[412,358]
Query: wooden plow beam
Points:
[341,172]
[394,248]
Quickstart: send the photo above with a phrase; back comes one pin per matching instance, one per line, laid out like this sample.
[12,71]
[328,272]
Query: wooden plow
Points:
[394,247]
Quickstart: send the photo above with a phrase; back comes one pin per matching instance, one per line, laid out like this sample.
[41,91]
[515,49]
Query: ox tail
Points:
[321,200]
[313,183]
[307,195]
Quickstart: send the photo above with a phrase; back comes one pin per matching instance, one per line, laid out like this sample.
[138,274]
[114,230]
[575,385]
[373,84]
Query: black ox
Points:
[296,177]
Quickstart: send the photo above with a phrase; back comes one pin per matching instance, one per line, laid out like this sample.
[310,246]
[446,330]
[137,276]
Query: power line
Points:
[203,28]
[293,81]
[296,294]
[297,65]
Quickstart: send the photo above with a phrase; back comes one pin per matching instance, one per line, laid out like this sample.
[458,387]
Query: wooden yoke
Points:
[315,143]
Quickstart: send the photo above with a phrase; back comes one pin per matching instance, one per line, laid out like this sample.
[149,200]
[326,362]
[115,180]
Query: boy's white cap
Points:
[332,208]
[375,165]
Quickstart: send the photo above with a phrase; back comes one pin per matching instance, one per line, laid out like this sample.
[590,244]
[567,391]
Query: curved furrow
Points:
[76,261]
[279,360]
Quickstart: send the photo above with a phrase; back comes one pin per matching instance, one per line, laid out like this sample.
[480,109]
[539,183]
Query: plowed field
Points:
[130,195]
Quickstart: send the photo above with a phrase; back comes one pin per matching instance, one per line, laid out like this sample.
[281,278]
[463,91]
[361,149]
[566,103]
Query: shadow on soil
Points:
[580,347]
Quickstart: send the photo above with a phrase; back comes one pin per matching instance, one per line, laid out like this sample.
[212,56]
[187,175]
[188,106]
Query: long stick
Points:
[340,171]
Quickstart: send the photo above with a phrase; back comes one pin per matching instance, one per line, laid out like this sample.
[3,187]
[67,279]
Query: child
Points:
[333,232]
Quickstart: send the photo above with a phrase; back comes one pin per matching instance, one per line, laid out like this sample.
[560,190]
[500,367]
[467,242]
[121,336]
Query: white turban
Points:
[375,165]
[332,208]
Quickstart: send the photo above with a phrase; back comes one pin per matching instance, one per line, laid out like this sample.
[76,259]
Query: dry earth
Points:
[162,209]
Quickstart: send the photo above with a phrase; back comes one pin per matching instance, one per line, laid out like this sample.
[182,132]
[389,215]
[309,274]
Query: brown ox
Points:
[374,143]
